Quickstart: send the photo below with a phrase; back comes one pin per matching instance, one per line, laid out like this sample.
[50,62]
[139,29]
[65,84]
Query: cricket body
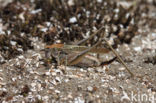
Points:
[81,51]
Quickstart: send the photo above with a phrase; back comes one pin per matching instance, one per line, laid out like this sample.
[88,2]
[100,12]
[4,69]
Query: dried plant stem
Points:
[119,58]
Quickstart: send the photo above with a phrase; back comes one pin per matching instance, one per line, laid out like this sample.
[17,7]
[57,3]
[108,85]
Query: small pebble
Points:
[73,20]
[90,89]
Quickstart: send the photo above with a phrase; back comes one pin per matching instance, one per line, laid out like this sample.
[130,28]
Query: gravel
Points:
[26,77]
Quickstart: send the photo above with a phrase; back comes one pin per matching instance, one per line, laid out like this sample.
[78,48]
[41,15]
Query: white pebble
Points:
[154,34]
[57,91]
[20,49]
[47,73]
[70,2]
[13,43]
[79,100]
[33,84]
[73,20]
[21,57]
[48,23]
[90,89]
[99,1]
[116,10]
[36,11]
[21,16]
[14,79]
[121,68]
[138,49]
[58,79]
[44,29]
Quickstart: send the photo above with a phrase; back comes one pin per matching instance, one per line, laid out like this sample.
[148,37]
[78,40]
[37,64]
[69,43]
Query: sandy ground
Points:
[24,78]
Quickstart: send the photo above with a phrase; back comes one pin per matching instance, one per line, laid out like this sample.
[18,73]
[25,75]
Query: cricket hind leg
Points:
[108,62]
[79,57]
